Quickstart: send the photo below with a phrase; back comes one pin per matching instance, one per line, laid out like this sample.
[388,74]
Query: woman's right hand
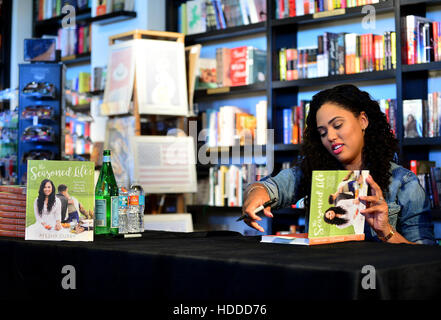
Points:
[255,196]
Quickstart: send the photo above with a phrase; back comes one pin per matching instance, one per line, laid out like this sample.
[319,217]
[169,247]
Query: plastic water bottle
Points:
[123,206]
[137,190]
[133,212]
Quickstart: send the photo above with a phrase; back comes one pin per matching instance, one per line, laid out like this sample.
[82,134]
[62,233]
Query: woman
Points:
[47,207]
[346,130]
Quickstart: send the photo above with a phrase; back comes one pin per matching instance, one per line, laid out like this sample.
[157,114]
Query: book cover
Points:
[238,66]
[334,214]
[60,200]
[413,118]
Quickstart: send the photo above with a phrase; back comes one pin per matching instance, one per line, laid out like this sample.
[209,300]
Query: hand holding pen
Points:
[256,199]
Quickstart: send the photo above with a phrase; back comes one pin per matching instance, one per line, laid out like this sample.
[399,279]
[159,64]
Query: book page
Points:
[335,208]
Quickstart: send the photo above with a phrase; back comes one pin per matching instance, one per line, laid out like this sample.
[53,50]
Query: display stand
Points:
[152,35]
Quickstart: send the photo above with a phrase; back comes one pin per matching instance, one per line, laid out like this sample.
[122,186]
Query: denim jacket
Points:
[409,206]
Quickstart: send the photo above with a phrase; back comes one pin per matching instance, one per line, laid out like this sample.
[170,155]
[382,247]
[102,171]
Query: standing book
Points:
[60,200]
[334,214]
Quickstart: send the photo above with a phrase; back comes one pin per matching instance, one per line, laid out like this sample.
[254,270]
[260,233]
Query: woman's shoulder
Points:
[400,173]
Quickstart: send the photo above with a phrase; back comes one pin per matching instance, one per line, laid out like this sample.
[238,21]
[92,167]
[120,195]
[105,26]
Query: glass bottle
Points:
[106,199]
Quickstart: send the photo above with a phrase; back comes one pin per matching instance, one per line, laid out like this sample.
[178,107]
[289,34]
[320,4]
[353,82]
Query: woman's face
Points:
[342,134]
[47,190]
[330,214]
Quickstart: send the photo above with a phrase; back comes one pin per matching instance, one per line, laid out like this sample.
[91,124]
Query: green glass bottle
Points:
[106,199]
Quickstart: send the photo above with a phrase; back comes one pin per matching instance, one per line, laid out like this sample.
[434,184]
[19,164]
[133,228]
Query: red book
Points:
[12,227]
[238,66]
[292,8]
[21,222]
[15,234]
[14,214]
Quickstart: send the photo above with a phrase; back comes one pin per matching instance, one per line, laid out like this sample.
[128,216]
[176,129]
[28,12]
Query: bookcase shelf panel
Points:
[225,34]
[340,14]
[204,94]
[337,79]
[113,17]
[76,59]
[428,142]
[431,66]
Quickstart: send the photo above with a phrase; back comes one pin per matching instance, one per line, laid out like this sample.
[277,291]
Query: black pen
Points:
[258,209]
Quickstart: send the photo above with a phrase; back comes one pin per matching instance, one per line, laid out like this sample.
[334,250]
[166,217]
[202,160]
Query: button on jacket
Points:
[409,206]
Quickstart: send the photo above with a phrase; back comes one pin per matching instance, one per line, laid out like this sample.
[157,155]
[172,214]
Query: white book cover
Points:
[196,16]
[413,118]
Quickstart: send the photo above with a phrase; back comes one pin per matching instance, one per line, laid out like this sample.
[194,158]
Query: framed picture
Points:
[161,83]
[120,79]
[165,164]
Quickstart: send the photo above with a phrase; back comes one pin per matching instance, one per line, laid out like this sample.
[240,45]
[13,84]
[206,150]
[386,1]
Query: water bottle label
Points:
[106,158]
[114,212]
[134,200]
[100,212]
[123,201]
[141,200]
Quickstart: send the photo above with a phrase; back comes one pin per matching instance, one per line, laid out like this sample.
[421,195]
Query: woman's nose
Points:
[332,135]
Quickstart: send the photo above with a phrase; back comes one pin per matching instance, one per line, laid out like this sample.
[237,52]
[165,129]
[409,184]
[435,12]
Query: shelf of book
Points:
[201,94]
[429,142]
[226,34]
[422,2]
[324,16]
[337,79]
[113,17]
[430,66]
[76,59]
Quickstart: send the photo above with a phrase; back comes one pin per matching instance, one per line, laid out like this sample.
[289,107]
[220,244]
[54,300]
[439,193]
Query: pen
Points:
[258,209]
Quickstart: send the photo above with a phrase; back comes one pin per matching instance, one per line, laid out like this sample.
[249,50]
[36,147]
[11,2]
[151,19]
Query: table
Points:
[214,267]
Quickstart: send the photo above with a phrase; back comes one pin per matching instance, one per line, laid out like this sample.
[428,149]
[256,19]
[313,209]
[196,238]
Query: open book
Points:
[334,214]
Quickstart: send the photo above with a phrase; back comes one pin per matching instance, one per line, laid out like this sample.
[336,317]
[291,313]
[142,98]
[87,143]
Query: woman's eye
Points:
[338,125]
[322,133]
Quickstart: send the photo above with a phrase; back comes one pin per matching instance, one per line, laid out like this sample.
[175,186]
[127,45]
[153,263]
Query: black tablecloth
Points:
[216,267]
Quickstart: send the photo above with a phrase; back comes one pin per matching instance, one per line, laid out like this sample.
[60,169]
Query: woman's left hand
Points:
[377,210]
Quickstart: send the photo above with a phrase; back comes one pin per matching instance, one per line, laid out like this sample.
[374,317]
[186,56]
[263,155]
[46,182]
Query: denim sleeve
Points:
[283,187]
[414,223]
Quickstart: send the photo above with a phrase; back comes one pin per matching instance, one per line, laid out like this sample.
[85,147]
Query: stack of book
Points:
[232,67]
[227,183]
[232,126]
[337,54]
[198,16]
[430,179]
[294,123]
[422,118]
[12,211]
[421,40]
[294,8]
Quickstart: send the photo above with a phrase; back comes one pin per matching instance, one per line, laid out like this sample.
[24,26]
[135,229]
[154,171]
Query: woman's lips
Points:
[337,148]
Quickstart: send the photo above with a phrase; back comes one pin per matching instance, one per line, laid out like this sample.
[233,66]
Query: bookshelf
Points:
[410,81]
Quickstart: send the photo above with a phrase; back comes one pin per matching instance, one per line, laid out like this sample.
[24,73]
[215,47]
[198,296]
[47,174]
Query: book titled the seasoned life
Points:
[335,207]
[60,200]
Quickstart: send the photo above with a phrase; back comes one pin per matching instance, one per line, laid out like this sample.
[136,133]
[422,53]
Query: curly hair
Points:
[42,196]
[380,144]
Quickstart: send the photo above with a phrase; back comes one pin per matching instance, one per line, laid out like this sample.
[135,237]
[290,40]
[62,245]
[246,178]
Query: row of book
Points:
[227,183]
[77,135]
[53,8]
[108,6]
[232,67]
[294,119]
[12,211]
[73,41]
[421,40]
[294,122]
[294,8]
[429,177]
[232,126]
[337,54]
[422,118]
[198,16]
